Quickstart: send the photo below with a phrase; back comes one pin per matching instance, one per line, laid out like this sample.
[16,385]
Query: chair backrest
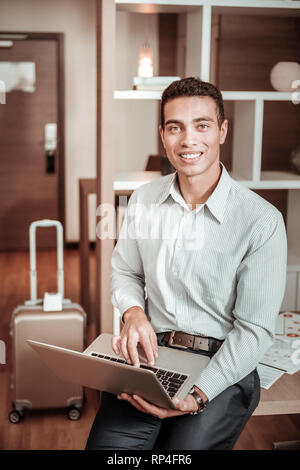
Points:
[154,163]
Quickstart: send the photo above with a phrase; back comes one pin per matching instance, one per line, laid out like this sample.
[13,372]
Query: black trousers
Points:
[120,426]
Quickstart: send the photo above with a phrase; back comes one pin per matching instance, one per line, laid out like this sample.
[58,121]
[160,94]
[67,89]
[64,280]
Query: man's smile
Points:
[190,156]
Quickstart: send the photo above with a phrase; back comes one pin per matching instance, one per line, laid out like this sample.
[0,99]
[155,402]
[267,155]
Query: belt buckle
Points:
[170,341]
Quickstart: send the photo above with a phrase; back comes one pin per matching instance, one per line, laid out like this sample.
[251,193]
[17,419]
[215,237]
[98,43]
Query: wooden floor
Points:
[53,430]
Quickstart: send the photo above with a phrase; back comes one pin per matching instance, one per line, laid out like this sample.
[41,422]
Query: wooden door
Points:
[29,179]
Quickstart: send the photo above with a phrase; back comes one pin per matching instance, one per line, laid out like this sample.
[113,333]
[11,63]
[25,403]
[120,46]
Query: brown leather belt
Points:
[197,343]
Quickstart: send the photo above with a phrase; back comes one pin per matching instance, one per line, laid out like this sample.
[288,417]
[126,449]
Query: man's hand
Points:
[137,329]
[185,406]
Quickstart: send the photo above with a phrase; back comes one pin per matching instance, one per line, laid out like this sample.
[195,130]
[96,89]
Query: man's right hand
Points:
[137,329]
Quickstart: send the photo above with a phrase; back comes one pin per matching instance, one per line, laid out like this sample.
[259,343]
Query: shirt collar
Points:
[166,190]
[216,202]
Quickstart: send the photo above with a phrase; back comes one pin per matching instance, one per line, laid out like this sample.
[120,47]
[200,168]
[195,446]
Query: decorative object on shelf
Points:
[295,159]
[145,61]
[283,74]
[145,65]
[152,83]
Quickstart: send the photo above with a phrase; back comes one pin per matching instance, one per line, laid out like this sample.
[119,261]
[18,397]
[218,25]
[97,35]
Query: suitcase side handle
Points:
[60,268]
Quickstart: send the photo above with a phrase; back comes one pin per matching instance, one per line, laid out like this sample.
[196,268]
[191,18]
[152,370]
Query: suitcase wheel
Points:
[15,417]
[74,413]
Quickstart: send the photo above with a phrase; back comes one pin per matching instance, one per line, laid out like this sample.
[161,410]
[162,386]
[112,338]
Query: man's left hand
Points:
[185,406]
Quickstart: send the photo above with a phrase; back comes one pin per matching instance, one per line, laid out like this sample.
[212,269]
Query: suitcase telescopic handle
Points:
[60,268]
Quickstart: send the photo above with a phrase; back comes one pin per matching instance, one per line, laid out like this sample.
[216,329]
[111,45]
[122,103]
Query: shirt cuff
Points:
[211,383]
[126,302]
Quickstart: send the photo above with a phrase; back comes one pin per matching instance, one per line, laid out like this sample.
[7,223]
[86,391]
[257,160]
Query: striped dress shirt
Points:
[217,271]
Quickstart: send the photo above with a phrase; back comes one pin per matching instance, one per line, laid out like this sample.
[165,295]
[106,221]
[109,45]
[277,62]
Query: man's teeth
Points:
[190,155]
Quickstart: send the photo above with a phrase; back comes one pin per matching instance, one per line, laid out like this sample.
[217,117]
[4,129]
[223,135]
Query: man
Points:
[219,274]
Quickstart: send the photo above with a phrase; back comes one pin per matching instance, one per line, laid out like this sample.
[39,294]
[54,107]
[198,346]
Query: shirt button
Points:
[175,272]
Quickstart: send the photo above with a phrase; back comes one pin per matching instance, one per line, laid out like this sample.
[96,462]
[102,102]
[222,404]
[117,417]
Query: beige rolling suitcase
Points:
[53,320]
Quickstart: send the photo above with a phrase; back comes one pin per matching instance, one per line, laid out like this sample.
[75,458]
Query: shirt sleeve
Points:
[128,279]
[260,288]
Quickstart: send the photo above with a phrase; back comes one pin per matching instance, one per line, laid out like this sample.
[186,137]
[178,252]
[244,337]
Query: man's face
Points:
[191,136]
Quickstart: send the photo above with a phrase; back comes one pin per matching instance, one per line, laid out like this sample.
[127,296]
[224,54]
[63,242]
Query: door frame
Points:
[59,38]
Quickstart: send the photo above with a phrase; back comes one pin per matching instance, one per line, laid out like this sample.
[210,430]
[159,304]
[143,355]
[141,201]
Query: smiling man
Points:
[219,282]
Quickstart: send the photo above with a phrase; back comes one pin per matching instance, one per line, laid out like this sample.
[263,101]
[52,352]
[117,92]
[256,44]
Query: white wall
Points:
[77,20]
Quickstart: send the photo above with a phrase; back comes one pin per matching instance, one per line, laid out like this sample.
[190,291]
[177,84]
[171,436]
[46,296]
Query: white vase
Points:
[283,76]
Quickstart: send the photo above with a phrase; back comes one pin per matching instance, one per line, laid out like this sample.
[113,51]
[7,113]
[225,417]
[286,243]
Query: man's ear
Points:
[161,131]
[223,131]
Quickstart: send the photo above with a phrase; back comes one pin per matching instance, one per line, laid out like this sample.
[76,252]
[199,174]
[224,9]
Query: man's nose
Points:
[189,138]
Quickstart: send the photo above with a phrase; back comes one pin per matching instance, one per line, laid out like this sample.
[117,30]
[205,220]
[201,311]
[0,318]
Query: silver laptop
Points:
[98,367]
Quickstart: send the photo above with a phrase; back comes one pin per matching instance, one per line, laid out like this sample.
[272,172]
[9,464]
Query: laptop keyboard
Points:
[169,379]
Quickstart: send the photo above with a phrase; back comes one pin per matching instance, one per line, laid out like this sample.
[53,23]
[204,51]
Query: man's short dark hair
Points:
[192,86]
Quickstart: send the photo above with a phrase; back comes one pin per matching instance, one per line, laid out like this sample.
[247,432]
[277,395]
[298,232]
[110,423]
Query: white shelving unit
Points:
[248,107]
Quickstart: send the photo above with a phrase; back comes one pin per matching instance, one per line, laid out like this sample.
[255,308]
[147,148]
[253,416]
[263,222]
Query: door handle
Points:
[50,146]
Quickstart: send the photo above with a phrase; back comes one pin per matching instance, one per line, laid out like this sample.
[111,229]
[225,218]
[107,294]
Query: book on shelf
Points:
[152,83]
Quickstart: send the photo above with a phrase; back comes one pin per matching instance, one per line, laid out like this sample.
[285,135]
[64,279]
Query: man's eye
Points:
[203,126]
[174,129]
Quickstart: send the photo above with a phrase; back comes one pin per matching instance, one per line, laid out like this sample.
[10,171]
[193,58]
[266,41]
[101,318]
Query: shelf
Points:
[280,176]
[269,184]
[284,4]
[257,95]
[137,95]
[273,180]
[289,7]
[227,95]
[131,180]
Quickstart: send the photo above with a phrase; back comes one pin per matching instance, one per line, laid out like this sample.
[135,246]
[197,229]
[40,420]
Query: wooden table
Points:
[283,397]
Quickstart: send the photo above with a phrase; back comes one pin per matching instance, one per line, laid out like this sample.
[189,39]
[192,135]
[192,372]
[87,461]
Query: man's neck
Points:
[197,189]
